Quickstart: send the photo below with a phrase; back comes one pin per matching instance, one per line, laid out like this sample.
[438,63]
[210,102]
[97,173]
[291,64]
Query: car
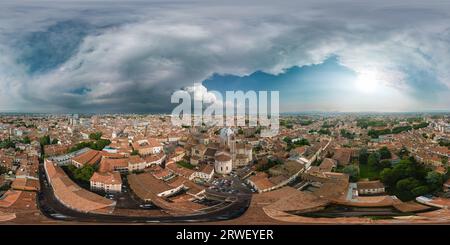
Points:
[59,216]
[146,206]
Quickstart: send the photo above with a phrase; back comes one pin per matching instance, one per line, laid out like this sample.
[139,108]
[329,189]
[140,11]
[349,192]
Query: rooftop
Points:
[109,178]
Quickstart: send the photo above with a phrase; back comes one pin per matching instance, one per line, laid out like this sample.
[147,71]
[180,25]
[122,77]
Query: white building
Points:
[205,174]
[223,163]
[107,182]
[370,187]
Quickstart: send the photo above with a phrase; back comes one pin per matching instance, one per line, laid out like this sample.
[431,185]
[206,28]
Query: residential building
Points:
[109,182]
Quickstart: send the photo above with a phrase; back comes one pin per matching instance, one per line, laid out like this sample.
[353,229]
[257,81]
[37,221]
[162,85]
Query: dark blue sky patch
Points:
[309,83]
[45,50]
[80,91]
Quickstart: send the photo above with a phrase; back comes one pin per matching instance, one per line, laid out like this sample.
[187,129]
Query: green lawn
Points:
[365,171]
[185,164]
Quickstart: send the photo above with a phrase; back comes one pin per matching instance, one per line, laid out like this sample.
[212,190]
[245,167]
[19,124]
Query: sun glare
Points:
[367,81]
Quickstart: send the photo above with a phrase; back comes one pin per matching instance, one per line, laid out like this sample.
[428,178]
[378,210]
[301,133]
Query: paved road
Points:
[237,204]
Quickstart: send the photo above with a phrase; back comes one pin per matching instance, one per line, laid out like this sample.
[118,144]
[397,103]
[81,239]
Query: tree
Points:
[434,179]
[26,140]
[287,139]
[404,188]
[54,141]
[45,140]
[388,177]
[95,136]
[409,179]
[407,184]
[3,169]
[94,145]
[7,144]
[403,153]
[386,163]
[72,168]
[352,171]
[385,153]
[373,159]
[292,144]
[363,156]
[135,152]
[84,173]
[324,131]
[444,160]
[420,190]
[347,134]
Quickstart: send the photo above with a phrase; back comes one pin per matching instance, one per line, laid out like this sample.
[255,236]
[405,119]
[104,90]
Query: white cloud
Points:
[200,93]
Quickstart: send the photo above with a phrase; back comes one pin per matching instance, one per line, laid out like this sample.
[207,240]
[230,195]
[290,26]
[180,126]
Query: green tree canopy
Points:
[45,140]
[352,171]
[26,140]
[363,156]
[385,153]
[409,179]
[434,179]
[373,159]
[95,136]
[84,173]
[420,190]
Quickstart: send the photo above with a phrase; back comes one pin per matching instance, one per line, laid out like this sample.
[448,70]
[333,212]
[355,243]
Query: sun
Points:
[367,81]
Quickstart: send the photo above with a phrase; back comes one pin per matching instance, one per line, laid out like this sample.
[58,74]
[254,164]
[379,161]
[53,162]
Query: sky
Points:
[110,56]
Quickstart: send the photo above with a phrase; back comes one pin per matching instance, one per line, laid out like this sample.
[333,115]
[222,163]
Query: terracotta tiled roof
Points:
[9,198]
[369,185]
[223,157]
[177,181]
[327,165]
[154,158]
[161,174]
[73,196]
[148,143]
[146,186]
[180,170]
[135,159]
[109,164]
[110,178]
[207,169]
[261,181]
[90,157]
[343,155]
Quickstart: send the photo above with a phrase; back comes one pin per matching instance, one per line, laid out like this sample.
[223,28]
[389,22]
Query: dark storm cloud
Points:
[130,56]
